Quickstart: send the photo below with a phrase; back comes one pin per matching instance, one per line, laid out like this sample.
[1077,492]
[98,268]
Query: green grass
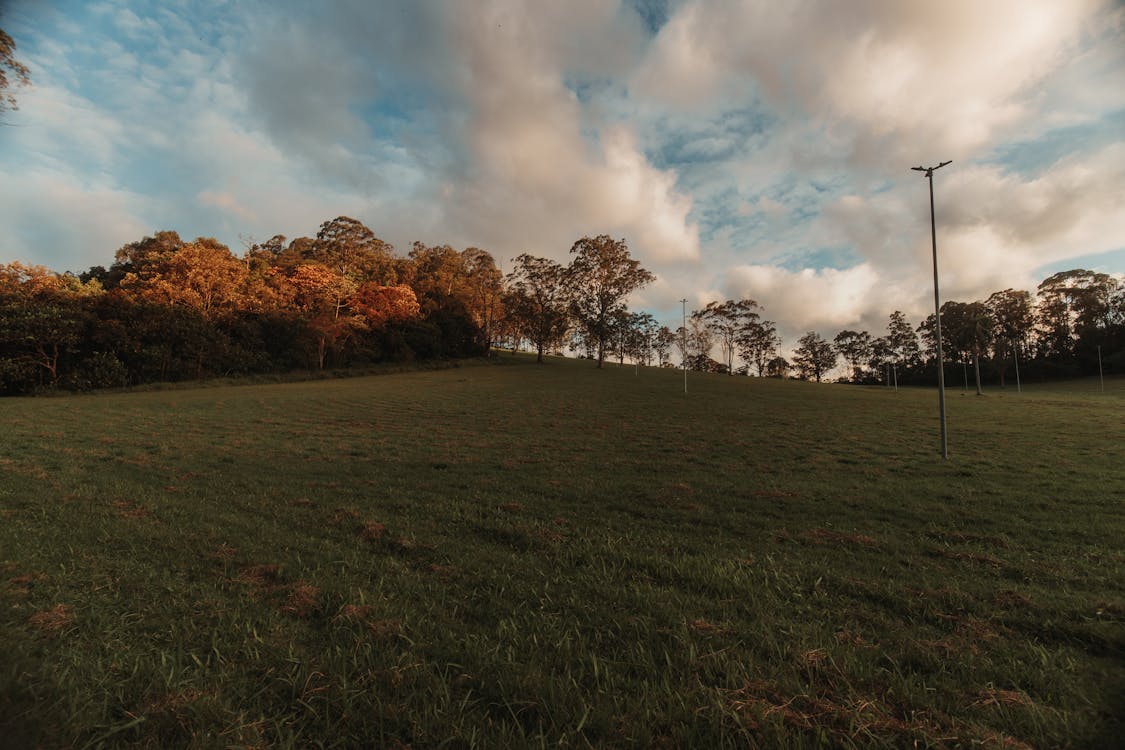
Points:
[527,556]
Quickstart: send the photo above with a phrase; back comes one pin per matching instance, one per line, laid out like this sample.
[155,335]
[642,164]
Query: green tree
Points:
[968,328]
[36,333]
[695,342]
[778,367]
[855,348]
[537,299]
[758,343]
[1074,308]
[663,340]
[601,275]
[903,341]
[814,356]
[484,291]
[728,321]
[1013,317]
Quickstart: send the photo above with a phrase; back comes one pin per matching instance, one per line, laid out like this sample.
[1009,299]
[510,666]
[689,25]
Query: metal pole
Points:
[1016,359]
[683,341]
[937,308]
[1101,379]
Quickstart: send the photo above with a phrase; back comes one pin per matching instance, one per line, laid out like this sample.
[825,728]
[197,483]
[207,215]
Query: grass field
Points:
[509,556]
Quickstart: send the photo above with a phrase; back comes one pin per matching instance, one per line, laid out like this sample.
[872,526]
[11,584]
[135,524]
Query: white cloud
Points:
[744,134]
[892,79]
[225,201]
[51,220]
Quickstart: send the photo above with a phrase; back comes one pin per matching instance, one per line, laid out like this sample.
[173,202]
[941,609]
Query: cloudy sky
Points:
[743,149]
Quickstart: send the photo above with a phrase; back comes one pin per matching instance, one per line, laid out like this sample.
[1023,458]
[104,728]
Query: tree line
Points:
[168,309]
[1073,325]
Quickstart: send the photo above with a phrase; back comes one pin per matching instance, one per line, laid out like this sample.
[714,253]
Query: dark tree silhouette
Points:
[12,72]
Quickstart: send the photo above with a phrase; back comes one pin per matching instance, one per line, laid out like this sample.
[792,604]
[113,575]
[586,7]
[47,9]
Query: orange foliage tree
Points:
[380,305]
[202,275]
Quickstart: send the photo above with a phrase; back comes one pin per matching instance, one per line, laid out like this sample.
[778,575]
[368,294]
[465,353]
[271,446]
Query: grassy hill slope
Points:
[521,555]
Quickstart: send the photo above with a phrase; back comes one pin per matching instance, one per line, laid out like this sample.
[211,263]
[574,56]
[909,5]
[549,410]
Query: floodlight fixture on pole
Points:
[683,341]
[929,171]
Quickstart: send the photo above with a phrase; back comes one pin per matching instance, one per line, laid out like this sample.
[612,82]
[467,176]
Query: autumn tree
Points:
[600,276]
[814,356]
[324,297]
[12,72]
[437,275]
[855,348]
[382,305]
[728,322]
[538,299]
[352,250]
[201,274]
[143,258]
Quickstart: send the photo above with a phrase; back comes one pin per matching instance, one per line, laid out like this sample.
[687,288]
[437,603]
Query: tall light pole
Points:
[683,341]
[937,307]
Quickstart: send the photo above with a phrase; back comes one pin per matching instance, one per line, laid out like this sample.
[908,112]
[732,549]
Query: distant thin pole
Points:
[1101,379]
[683,341]
[937,308]
[1016,359]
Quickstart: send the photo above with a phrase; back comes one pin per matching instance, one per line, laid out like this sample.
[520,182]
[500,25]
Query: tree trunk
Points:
[976,370]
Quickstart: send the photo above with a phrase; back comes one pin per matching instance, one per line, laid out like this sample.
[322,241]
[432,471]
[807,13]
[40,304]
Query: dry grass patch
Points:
[362,613]
[813,658]
[372,530]
[302,601]
[260,577]
[127,509]
[52,621]
[1011,599]
[972,557]
[344,515]
[22,585]
[848,638]
[703,627]
[224,553]
[828,536]
[841,721]
[995,697]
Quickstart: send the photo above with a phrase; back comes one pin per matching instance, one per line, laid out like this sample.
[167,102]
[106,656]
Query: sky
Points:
[742,149]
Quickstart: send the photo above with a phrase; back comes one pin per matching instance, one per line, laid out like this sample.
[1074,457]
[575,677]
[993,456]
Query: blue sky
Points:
[755,149]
